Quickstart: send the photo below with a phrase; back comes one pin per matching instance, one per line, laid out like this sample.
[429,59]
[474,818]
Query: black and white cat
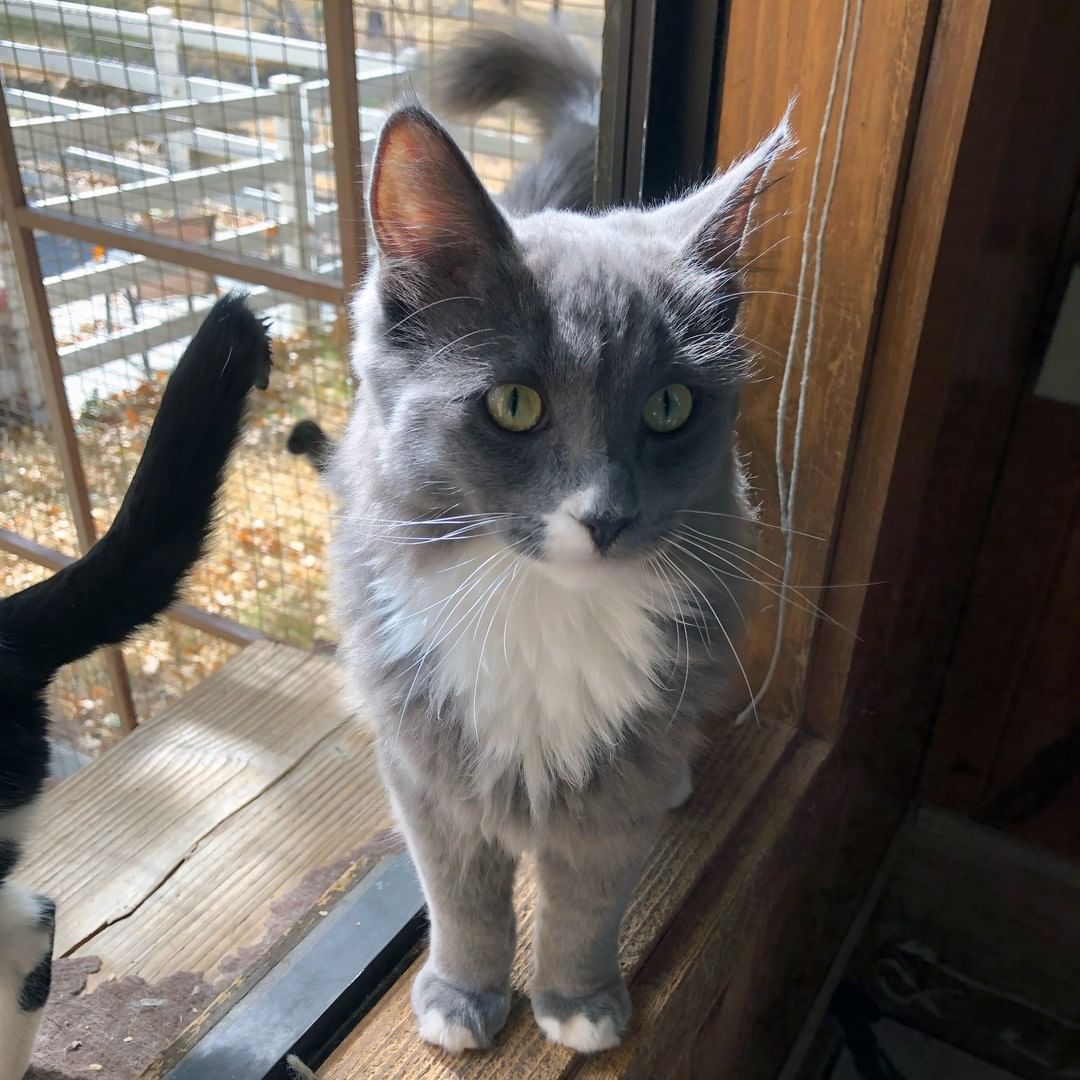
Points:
[130,575]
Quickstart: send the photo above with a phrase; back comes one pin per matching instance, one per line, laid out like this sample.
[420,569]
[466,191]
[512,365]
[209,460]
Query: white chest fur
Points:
[543,676]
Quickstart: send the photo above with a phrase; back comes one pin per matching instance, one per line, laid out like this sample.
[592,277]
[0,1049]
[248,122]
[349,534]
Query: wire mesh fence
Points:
[207,125]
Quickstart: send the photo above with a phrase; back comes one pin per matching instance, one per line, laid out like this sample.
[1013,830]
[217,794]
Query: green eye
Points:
[668,409]
[514,406]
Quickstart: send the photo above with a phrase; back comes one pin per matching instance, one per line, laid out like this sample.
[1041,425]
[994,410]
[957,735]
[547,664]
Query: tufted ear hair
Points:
[716,219]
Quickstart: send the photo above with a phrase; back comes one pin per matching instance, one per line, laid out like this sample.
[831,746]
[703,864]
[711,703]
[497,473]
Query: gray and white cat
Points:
[543,532]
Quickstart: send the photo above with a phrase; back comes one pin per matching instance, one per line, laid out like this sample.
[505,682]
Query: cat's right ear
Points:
[434,223]
[716,220]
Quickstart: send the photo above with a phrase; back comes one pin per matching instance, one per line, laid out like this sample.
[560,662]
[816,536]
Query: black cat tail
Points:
[135,571]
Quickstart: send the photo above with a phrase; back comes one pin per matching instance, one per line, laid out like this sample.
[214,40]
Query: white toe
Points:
[580,1033]
[435,1028]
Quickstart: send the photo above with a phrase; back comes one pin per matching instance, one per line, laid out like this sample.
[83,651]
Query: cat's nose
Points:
[605,530]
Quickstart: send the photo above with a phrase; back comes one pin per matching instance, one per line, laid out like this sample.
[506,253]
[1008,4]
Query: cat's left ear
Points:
[434,223]
[717,218]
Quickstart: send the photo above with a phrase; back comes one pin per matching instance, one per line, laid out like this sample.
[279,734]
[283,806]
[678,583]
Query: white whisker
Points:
[731,543]
[738,573]
[731,646]
[755,524]
[702,627]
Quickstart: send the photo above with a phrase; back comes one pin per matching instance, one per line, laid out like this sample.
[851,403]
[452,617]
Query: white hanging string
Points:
[787,491]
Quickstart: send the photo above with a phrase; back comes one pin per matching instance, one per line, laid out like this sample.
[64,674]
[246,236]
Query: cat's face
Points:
[569,380]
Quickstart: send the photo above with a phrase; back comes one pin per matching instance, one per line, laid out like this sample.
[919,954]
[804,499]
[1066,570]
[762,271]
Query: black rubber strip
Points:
[305,998]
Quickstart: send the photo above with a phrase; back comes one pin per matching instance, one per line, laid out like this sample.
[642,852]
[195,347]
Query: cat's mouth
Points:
[577,532]
[570,556]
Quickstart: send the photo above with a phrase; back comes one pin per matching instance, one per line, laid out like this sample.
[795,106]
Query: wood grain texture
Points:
[1034,785]
[214,910]
[775,50]
[1006,746]
[949,354]
[340,29]
[743,758]
[165,788]
[182,860]
[993,169]
[899,523]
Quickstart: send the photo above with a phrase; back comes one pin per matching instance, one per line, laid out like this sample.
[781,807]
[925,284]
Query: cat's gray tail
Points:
[541,69]
[537,67]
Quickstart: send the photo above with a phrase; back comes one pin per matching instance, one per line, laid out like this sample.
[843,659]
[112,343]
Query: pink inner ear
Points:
[430,214]
[740,215]
[724,238]
[408,211]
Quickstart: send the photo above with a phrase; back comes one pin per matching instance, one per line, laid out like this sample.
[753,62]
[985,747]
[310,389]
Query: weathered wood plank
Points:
[740,764]
[233,891]
[995,155]
[277,808]
[113,833]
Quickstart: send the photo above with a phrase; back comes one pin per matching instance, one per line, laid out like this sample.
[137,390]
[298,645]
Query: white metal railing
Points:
[293,53]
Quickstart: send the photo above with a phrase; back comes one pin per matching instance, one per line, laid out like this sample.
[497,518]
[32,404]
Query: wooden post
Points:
[24,250]
[345,125]
[181,252]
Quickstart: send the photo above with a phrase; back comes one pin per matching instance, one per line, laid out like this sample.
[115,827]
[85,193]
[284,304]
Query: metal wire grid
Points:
[246,168]
[266,568]
[164,662]
[163,120]
[81,698]
[33,501]
[411,34]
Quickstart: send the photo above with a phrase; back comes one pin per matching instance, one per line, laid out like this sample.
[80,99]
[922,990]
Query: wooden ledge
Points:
[182,860]
[705,872]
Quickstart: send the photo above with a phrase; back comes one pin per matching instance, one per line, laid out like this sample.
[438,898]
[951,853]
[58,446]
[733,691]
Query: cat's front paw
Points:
[589,1023]
[457,1019]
